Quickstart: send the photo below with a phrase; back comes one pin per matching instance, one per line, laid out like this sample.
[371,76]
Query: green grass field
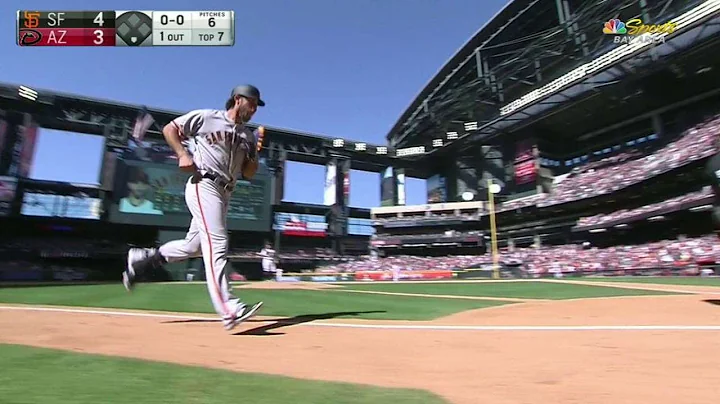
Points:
[193,298]
[33,375]
[661,280]
[520,290]
[68,378]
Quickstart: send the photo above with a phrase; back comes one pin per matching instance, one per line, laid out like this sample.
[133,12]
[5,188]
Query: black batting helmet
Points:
[248,91]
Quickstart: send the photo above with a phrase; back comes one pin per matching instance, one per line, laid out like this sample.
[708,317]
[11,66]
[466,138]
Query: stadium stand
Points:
[696,143]
[690,200]
[600,161]
[688,256]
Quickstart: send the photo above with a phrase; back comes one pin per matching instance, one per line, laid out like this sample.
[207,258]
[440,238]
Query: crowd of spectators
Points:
[694,144]
[449,234]
[430,217]
[688,253]
[406,263]
[655,208]
[521,203]
[581,257]
[288,254]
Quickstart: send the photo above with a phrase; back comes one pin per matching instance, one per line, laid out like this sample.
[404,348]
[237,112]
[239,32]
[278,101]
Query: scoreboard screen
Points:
[125,28]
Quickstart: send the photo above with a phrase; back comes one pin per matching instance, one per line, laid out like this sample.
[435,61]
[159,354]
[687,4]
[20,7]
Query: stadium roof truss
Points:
[528,44]
[114,120]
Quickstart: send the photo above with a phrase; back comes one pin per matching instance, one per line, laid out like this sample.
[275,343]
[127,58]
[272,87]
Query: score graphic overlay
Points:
[66,28]
[126,28]
[195,28]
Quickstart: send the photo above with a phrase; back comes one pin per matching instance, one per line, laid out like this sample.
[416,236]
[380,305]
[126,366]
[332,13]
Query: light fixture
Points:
[27,93]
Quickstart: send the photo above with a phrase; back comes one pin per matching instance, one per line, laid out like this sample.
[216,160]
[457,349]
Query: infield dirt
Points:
[465,367]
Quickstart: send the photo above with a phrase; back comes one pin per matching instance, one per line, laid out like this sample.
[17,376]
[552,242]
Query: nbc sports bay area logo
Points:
[635,30]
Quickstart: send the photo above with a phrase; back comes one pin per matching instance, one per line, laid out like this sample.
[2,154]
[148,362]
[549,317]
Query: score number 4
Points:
[99,39]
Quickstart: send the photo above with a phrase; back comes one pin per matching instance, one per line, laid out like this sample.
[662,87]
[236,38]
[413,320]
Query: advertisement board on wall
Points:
[8,187]
[360,227]
[436,192]
[408,275]
[67,206]
[3,132]
[329,191]
[149,189]
[24,149]
[301,225]
[346,183]
[525,162]
[387,187]
[524,150]
[525,172]
[401,187]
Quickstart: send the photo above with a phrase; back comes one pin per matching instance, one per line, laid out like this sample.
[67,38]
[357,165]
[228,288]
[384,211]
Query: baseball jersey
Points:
[218,145]
[267,254]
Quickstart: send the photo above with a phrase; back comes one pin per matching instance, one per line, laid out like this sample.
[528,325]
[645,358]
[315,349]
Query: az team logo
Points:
[614,27]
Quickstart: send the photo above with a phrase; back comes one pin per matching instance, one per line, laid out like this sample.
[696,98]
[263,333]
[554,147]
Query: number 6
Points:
[211,21]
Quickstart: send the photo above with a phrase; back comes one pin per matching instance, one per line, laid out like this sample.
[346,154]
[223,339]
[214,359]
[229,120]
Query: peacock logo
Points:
[614,27]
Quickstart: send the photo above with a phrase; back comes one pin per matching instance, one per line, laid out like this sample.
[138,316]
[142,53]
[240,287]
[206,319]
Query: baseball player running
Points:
[215,147]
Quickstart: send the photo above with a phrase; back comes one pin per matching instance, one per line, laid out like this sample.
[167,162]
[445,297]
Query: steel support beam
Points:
[667,5]
[577,34]
[644,12]
[479,64]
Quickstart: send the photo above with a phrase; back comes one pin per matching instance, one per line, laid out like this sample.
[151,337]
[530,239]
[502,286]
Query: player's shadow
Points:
[279,322]
[716,302]
[265,330]
[193,320]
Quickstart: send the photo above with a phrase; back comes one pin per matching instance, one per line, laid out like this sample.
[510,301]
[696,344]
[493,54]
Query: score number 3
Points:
[99,36]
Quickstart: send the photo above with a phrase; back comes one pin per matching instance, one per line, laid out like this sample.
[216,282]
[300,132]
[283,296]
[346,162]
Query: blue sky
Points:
[338,68]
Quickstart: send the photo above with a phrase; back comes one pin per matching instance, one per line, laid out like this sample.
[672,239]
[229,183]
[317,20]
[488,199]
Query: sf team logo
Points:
[31,19]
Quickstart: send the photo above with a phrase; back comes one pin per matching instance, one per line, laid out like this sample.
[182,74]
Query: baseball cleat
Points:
[134,256]
[128,280]
[243,314]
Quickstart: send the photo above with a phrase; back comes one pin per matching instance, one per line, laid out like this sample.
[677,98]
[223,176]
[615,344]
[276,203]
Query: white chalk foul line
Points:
[428,327]
[105,312]
[527,327]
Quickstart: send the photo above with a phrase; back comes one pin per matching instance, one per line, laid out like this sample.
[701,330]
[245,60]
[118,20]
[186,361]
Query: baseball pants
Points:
[208,204]
[268,265]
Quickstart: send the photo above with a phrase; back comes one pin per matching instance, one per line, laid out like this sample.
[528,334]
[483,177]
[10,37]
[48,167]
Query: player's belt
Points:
[222,182]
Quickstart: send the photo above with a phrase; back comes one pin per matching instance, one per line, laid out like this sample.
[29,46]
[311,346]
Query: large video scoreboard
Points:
[125,28]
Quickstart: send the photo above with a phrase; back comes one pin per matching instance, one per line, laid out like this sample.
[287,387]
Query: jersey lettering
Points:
[220,145]
[220,137]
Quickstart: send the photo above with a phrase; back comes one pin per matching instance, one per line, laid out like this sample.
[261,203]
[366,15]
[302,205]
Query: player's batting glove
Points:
[260,136]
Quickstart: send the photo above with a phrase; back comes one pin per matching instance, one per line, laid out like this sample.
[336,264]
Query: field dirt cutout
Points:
[464,367]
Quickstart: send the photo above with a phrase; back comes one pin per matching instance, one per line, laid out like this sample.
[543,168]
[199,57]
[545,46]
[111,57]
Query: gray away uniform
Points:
[218,148]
